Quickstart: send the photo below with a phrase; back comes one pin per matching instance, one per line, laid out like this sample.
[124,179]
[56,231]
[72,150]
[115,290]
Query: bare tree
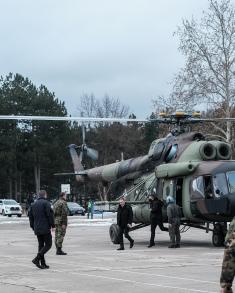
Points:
[87,105]
[107,107]
[209,73]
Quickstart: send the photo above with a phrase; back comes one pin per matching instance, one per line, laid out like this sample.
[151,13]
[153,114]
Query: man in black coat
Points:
[42,221]
[155,217]
[124,221]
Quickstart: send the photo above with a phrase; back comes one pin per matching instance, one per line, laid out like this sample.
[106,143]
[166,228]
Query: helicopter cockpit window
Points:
[157,150]
[231,181]
[198,186]
[171,152]
[220,185]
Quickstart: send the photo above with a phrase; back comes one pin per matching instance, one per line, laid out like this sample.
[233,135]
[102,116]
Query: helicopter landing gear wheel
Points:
[219,233]
[218,239]
[114,233]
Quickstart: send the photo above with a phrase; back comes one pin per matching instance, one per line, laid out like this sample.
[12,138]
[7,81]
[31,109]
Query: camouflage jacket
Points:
[61,212]
[230,236]
[173,214]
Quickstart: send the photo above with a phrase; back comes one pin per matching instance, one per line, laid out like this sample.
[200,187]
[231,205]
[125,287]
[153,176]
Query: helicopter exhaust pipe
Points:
[207,151]
[223,151]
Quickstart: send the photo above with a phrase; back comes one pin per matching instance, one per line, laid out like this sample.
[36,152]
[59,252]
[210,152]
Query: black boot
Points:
[172,246]
[121,247]
[151,245]
[36,261]
[60,251]
[43,263]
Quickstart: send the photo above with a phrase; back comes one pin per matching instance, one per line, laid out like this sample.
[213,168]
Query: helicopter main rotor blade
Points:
[66,118]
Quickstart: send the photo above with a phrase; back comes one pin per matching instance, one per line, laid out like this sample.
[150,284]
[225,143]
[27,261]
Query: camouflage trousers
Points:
[174,232]
[59,235]
[228,270]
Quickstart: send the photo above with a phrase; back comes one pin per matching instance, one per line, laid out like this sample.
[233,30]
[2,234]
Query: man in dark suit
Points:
[124,221]
[155,217]
[42,221]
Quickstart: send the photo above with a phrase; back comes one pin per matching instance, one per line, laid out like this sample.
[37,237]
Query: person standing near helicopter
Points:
[124,221]
[174,215]
[155,216]
[228,265]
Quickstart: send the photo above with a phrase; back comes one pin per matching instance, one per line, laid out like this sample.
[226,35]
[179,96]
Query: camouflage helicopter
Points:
[194,168]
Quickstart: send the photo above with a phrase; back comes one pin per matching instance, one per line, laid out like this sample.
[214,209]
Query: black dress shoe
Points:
[44,266]
[60,251]
[132,243]
[120,248]
[151,245]
[36,261]
[172,246]
[177,246]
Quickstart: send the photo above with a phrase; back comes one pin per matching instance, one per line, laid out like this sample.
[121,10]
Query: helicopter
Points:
[194,168]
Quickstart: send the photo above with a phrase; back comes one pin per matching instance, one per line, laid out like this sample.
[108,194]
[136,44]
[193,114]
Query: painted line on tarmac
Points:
[127,280]
[135,272]
[147,274]
[126,271]
[143,283]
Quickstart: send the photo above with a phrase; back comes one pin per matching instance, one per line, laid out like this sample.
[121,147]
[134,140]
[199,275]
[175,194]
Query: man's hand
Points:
[129,225]
[64,227]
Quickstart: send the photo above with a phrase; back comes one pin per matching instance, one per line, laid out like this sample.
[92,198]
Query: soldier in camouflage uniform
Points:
[174,215]
[228,266]
[61,222]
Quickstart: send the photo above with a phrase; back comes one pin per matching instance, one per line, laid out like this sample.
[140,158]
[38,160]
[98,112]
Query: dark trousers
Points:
[154,223]
[44,243]
[174,232]
[125,231]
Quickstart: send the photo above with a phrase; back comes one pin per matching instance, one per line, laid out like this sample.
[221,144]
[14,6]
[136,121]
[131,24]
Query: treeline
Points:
[31,152]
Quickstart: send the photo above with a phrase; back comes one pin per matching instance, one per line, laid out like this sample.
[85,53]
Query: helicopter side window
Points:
[231,181]
[220,185]
[198,186]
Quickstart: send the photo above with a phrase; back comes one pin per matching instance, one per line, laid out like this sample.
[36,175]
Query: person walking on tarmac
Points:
[228,265]
[174,215]
[90,208]
[61,222]
[124,221]
[42,222]
[155,216]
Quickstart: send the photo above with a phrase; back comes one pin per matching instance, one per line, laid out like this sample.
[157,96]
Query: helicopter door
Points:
[208,187]
[178,191]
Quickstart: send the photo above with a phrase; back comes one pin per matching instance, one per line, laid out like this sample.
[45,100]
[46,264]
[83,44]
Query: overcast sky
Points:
[123,48]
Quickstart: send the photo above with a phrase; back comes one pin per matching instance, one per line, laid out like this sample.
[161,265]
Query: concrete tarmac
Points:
[93,265]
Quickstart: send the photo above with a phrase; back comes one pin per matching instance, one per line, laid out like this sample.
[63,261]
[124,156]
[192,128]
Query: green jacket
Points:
[61,212]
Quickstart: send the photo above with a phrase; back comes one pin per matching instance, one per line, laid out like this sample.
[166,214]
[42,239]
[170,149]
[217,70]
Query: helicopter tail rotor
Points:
[85,150]
[92,153]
